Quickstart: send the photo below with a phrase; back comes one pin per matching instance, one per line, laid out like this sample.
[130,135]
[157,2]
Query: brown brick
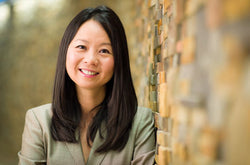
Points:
[188,54]
[164,138]
[165,155]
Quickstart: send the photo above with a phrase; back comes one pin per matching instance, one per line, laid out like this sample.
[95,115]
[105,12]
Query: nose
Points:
[90,58]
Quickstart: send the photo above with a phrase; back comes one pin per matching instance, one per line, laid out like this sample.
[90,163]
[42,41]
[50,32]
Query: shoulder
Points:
[42,114]
[41,111]
[144,110]
[143,118]
[144,130]
[143,113]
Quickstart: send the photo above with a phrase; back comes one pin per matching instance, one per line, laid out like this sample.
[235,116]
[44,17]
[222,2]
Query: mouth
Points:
[88,72]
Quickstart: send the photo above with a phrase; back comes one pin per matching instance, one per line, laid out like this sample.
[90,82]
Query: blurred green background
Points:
[30,34]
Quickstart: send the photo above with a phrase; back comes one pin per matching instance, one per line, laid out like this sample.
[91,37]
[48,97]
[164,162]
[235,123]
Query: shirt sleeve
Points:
[144,151]
[32,151]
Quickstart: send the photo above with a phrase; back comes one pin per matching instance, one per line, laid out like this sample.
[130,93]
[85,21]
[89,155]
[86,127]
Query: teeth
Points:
[88,72]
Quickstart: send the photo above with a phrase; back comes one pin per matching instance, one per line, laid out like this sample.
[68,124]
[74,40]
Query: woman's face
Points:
[90,61]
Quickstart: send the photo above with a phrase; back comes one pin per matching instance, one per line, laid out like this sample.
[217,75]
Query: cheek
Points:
[70,61]
[110,65]
[67,62]
[71,57]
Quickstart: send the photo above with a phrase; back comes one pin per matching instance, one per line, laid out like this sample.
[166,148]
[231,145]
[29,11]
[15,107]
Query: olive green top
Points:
[38,146]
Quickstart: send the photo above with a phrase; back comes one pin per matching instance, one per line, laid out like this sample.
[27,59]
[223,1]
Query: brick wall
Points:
[196,57]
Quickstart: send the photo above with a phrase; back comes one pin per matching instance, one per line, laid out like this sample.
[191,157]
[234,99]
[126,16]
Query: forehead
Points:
[92,30]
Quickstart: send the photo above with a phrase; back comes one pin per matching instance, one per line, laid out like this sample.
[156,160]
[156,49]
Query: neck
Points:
[89,99]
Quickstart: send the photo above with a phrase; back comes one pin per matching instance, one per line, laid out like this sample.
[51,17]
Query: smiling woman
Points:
[94,117]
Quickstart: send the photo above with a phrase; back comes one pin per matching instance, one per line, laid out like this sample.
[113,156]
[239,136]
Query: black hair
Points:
[119,106]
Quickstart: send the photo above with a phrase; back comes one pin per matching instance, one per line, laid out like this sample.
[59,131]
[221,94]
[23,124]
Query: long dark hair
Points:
[119,106]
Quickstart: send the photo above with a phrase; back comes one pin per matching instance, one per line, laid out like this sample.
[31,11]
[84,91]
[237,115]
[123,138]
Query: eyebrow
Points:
[80,40]
[104,43]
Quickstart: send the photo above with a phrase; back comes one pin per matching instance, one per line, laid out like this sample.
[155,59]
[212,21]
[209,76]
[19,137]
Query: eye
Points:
[81,47]
[105,51]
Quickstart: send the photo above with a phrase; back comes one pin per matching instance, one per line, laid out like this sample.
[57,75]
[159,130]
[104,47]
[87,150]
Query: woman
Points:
[93,118]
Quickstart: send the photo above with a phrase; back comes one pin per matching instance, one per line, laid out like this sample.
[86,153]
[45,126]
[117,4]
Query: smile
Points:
[88,73]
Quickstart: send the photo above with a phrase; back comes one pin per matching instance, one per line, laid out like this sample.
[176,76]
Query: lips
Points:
[88,72]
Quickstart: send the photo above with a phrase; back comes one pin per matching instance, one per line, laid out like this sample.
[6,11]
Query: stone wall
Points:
[196,57]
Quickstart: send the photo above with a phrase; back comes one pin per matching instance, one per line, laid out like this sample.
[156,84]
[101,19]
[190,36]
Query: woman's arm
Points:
[144,151]
[32,151]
